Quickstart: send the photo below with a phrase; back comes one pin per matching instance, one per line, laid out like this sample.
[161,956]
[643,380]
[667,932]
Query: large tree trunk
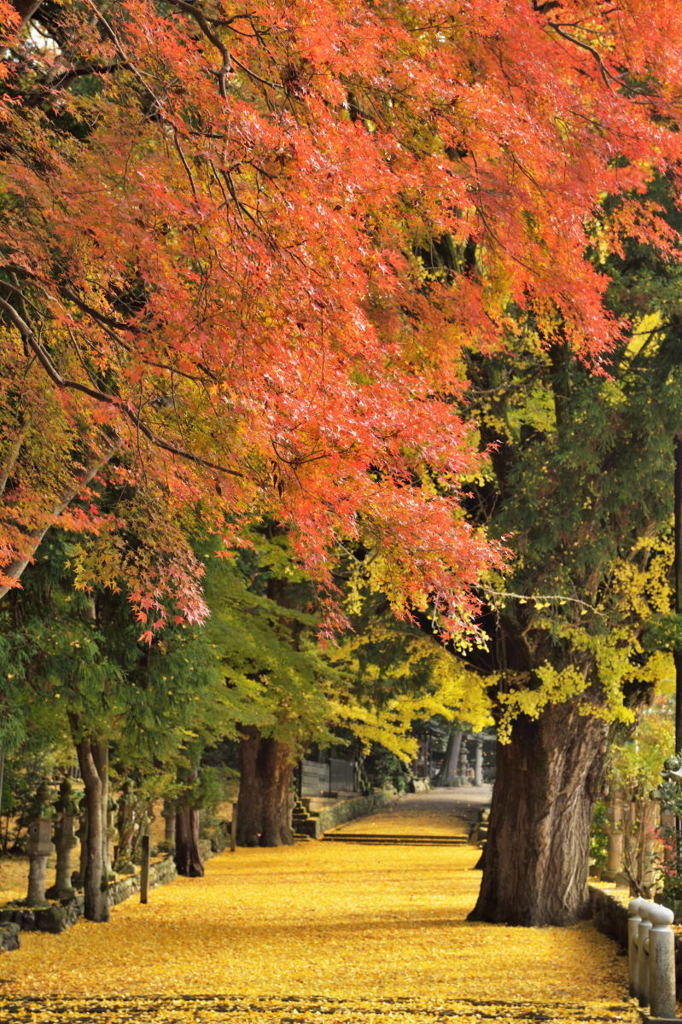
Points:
[536,858]
[187,853]
[265,794]
[187,821]
[250,800]
[93,758]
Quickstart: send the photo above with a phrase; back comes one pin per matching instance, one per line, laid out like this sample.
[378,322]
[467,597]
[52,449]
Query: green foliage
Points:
[82,671]
[635,762]
[582,488]
[384,770]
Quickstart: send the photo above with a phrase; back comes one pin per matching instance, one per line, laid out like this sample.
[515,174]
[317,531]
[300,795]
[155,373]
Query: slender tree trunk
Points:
[536,860]
[187,854]
[15,569]
[102,760]
[127,827]
[169,823]
[93,762]
[265,791]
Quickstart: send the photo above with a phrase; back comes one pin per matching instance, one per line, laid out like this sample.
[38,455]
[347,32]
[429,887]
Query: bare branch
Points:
[603,70]
[203,23]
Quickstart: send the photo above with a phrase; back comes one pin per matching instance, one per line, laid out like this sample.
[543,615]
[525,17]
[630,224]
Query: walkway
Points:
[338,933]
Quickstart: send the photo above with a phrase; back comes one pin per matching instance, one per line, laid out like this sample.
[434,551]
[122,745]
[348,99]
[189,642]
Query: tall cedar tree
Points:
[582,476]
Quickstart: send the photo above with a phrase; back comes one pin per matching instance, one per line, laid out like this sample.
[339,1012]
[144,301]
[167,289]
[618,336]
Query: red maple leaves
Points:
[220,252]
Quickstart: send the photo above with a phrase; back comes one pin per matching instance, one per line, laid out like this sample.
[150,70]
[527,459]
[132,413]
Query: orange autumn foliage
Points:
[217,284]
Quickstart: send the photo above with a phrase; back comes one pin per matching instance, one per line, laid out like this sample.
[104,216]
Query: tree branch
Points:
[113,400]
[204,24]
[16,569]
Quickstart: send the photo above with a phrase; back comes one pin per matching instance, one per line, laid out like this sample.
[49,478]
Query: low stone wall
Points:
[346,810]
[160,872]
[609,915]
[57,917]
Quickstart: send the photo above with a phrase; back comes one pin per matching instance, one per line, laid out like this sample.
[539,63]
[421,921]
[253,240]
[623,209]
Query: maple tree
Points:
[75,676]
[212,286]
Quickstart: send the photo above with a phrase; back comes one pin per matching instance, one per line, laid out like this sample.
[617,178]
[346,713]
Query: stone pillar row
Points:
[44,817]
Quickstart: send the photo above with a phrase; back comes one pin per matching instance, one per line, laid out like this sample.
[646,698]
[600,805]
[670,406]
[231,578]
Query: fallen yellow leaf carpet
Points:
[318,932]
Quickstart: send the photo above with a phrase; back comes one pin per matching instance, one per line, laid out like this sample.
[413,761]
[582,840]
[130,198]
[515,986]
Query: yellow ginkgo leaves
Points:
[318,931]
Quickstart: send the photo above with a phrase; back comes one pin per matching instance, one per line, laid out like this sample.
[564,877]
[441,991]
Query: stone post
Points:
[463,766]
[661,962]
[643,933]
[64,840]
[144,870]
[634,921]
[478,763]
[39,846]
[614,857]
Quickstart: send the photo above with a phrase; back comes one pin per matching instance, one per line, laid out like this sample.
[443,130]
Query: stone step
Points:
[388,839]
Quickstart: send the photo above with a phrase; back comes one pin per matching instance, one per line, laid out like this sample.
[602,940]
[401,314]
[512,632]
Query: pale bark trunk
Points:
[102,760]
[536,858]
[449,772]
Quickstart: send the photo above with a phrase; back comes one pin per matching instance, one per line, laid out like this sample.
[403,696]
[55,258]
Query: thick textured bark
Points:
[536,861]
[265,791]
[187,854]
[250,800]
[93,761]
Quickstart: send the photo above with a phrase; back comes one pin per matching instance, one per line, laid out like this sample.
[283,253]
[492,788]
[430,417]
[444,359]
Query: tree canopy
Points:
[218,277]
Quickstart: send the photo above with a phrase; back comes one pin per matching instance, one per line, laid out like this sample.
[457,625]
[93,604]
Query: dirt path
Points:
[318,932]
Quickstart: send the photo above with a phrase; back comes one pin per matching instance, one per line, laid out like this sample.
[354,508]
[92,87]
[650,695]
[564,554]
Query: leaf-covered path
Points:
[321,932]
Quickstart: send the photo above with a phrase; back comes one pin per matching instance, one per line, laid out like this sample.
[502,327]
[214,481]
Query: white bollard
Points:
[643,933]
[634,919]
[661,962]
